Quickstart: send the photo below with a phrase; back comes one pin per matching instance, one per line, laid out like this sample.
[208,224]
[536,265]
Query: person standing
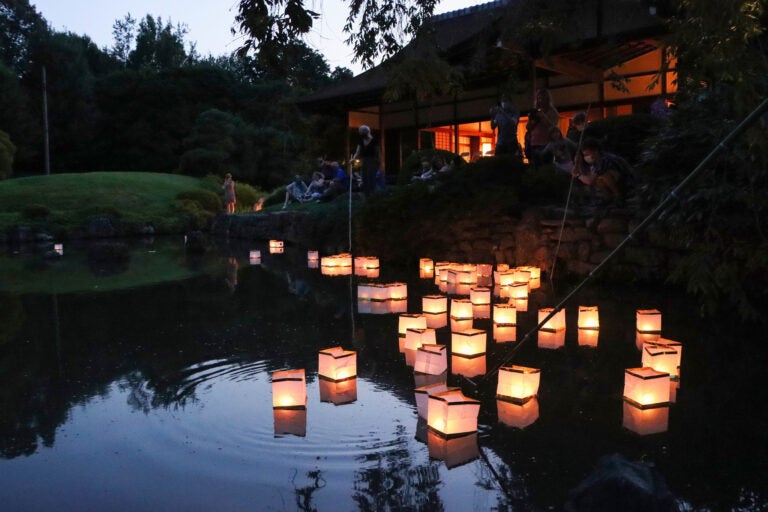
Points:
[368,151]
[543,118]
[505,117]
[229,193]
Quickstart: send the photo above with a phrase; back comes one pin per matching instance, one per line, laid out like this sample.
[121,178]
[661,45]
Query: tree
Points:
[123,32]
[20,24]
[158,46]
[7,150]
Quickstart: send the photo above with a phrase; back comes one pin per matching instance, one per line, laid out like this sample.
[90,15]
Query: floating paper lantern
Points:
[661,358]
[414,338]
[589,317]
[338,392]
[434,304]
[502,267]
[459,289]
[505,278]
[423,393]
[468,366]
[440,266]
[551,340]
[289,389]
[254,257]
[313,256]
[521,305]
[641,338]
[276,247]
[517,383]
[480,296]
[451,414]
[398,291]
[555,323]
[410,321]
[675,345]
[522,275]
[426,268]
[518,290]
[534,283]
[453,451]
[335,363]
[646,387]
[504,333]
[461,309]
[467,276]
[431,359]
[674,386]
[588,337]
[58,249]
[366,262]
[504,314]
[484,270]
[461,324]
[397,306]
[517,415]
[649,320]
[468,342]
[645,421]
[290,422]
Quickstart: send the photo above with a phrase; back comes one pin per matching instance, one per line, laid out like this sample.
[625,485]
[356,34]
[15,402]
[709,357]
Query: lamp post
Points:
[45,126]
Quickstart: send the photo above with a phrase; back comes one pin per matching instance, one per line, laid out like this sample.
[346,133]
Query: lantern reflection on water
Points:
[431,359]
[336,364]
[646,387]
[461,324]
[641,338]
[648,320]
[290,422]
[423,393]
[504,333]
[481,311]
[468,366]
[450,413]
[289,389]
[588,337]
[551,339]
[338,392]
[469,342]
[414,338]
[645,421]
[436,320]
[313,256]
[453,451]
[520,304]
[517,383]
[425,379]
[254,257]
[58,249]
[518,415]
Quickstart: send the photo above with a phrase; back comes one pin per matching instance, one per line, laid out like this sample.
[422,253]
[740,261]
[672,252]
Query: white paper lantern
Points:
[254,257]
[661,358]
[426,268]
[645,421]
[313,256]
[517,415]
[646,387]
[517,383]
[461,309]
[289,389]
[431,359]
[450,413]
[504,314]
[415,338]
[469,342]
[479,296]
[555,323]
[649,320]
[423,393]
[589,317]
[58,249]
[434,304]
[410,321]
[468,366]
[335,363]
[398,291]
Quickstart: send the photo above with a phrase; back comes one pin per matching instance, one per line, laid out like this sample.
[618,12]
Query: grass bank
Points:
[62,202]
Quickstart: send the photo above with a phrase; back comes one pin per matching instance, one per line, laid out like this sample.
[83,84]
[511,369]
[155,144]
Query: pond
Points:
[135,376]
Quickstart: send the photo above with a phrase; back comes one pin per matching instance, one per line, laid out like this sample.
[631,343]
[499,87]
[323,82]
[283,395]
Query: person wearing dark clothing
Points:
[505,117]
[609,175]
[368,151]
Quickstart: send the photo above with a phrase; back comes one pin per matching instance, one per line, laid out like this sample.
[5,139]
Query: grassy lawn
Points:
[67,200]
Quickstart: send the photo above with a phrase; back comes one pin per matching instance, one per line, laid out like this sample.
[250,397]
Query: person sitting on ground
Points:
[562,150]
[609,175]
[316,187]
[426,172]
[339,184]
[296,190]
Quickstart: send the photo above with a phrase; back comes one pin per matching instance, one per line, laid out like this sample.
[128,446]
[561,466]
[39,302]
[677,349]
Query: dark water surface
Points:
[137,378]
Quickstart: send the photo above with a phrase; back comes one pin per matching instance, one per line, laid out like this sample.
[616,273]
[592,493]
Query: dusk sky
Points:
[209,25]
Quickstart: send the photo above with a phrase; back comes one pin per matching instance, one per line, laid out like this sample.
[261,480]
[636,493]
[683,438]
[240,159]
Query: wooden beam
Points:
[564,66]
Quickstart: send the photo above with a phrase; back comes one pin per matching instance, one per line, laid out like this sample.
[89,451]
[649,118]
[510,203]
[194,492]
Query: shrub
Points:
[194,215]
[35,211]
[207,200]
[246,196]
[624,135]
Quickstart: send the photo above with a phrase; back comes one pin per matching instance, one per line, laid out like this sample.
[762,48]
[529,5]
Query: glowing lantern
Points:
[254,257]
[441,273]
[452,276]
[289,389]
[534,283]
[426,268]
[641,338]
[589,317]
[436,320]
[522,275]
[335,363]
[505,278]
[551,339]
[313,264]
[424,392]
[414,338]
[459,289]
[344,259]
[502,267]
[517,383]
[290,422]
[450,413]
[675,345]
[468,366]
[555,323]
[431,359]
[375,291]
[649,320]
[646,387]
[366,262]
[481,311]
[396,306]
[410,321]
[453,451]
[518,290]
[674,386]
[313,256]
[518,415]
[338,392]
[58,249]
[461,309]
[484,270]
[645,421]
[520,304]
[588,337]
[439,267]
[434,303]
[466,276]
[504,314]
[468,342]
[398,291]
[365,291]
[661,358]
[480,296]
[504,333]
[276,247]
[461,324]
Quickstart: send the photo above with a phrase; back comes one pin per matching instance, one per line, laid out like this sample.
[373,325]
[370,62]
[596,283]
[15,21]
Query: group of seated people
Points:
[328,181]
[431,168]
